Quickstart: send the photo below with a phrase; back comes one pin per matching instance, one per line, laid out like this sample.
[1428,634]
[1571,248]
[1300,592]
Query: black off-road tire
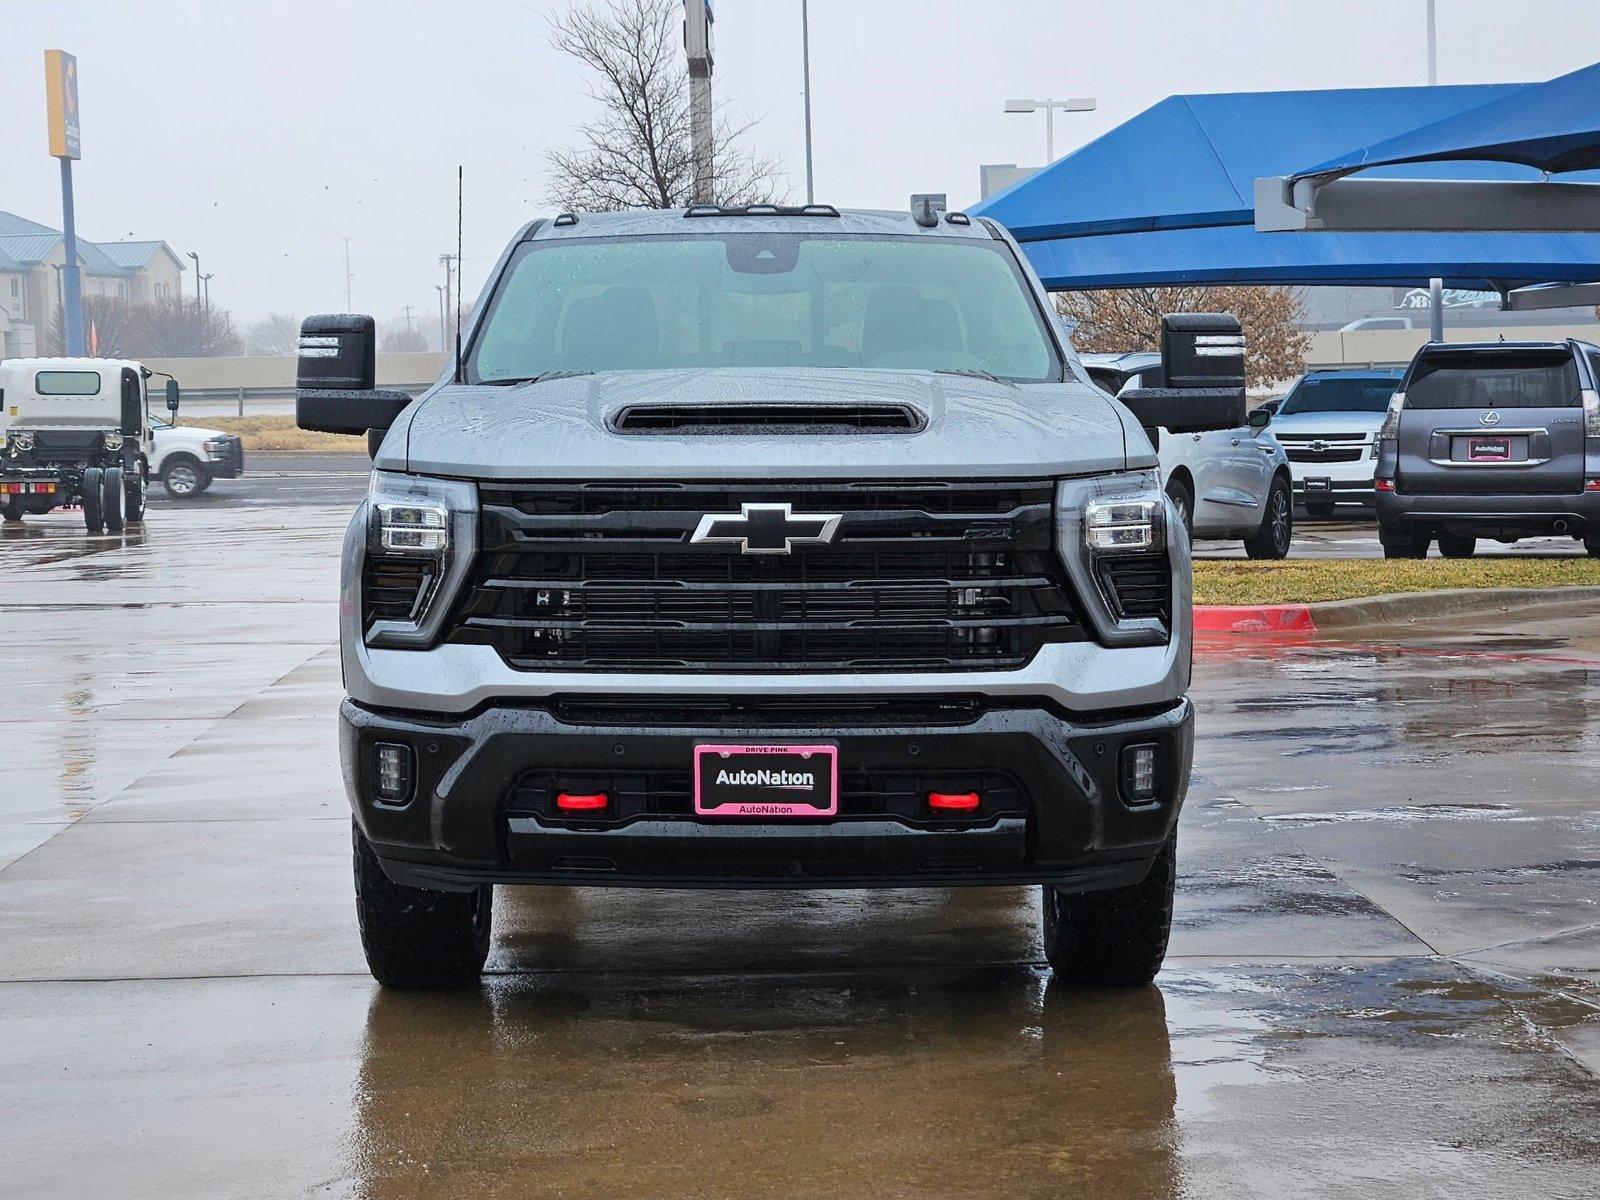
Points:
[11,513]
[1319,508]
[416,937]
[1592,545]
[1457,545]
[1276,534]
[1115,938]
[1182,497]
[1403,545]
[136,488]
[112,498]
[94,513]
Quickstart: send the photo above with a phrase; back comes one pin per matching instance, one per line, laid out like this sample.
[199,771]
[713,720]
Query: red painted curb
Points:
[1266,618]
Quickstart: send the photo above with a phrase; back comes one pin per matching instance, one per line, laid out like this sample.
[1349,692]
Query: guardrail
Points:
[241,397]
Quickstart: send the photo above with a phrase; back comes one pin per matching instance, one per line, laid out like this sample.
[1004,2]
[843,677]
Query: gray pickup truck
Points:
[1492,439]
[750,548]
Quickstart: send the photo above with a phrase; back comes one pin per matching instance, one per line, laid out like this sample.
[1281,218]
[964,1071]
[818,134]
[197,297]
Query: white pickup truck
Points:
[186,458]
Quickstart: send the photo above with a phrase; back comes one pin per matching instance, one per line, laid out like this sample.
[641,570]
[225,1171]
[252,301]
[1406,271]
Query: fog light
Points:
[954,801]
[394,772]
[1139,773]
[582,801]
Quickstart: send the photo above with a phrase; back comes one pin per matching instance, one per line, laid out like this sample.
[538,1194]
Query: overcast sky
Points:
[261,134]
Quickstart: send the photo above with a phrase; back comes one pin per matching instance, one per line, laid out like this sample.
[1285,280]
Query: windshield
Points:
[1329,393]
[763,300]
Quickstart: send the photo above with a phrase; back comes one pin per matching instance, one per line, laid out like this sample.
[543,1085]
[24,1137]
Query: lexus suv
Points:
[1498,440]
[766,547]
[1328,424]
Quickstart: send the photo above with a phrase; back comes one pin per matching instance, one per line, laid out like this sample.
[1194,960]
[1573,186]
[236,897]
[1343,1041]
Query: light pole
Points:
[1082,104]
[443,340]
[697,44]
[805,55]
[196,258]
[206,279]
[1435,285]
[347,306]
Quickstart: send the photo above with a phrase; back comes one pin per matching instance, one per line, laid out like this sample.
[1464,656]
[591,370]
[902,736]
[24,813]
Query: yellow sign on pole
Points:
[61,102]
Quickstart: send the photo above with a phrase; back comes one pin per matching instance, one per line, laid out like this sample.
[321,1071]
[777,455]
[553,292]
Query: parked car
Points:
[1328,424]
[187,458]
[764,547]
[1227,484]
[1492,439]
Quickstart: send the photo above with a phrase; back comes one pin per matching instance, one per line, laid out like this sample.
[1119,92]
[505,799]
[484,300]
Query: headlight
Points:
[113,441]
[1113,539]
[420,537]
[216,445]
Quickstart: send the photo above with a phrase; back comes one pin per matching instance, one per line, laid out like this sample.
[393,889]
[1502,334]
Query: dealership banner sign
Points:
[61,103]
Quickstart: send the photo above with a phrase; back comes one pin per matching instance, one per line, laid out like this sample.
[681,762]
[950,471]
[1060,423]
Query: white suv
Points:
[1329,425]
[1228,484]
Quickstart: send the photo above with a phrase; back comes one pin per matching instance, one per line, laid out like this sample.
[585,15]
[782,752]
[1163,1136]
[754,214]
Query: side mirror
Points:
[172,395]
[1202,361]
[1259,418]
[334,385]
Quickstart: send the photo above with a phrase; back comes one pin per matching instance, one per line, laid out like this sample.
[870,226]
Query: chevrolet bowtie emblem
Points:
[766,528]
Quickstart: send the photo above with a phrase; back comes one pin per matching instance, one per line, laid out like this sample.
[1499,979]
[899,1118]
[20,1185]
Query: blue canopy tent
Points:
[1168,199]
[1554,127]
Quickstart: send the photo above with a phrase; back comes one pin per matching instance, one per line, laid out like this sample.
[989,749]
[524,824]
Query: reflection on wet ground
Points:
[1385,978]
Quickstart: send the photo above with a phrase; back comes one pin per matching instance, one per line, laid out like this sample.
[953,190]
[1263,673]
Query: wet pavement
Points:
[1385,978]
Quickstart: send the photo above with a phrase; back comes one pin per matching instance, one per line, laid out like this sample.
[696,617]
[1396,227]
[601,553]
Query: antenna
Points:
[460,202]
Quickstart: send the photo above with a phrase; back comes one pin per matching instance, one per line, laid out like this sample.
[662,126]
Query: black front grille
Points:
[1304,454]
[919,576]
[1137,586]
[392,589]
[765,418]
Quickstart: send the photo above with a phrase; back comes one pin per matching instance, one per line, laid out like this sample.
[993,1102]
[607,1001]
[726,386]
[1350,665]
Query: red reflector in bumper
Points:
[575,802]
[953,801]
[1383,485]
[1592,486]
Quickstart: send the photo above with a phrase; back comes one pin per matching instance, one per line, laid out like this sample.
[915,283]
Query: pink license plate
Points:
[1497,449]
[766,781]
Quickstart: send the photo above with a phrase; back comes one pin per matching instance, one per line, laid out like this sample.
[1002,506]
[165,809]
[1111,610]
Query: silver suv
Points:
[1499,439]
[765,548]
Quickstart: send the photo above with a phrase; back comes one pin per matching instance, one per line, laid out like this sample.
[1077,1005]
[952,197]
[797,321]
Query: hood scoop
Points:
[821,418]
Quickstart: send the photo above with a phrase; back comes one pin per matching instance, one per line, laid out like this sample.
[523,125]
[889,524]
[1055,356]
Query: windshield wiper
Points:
[970,373]
[542,377]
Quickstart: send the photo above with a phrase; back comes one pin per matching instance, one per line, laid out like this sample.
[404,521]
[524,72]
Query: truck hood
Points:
[561,428]
[1328,422]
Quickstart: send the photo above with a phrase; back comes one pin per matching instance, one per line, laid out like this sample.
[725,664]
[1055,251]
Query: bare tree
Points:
[1125,319]
[402,340]
[174,329]
[637,152]
[111,328]
[276,335]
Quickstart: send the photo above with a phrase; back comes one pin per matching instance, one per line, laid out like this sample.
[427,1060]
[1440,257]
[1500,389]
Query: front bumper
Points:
[1575,513]
[1053,810]
[1348,482]
[228,462]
